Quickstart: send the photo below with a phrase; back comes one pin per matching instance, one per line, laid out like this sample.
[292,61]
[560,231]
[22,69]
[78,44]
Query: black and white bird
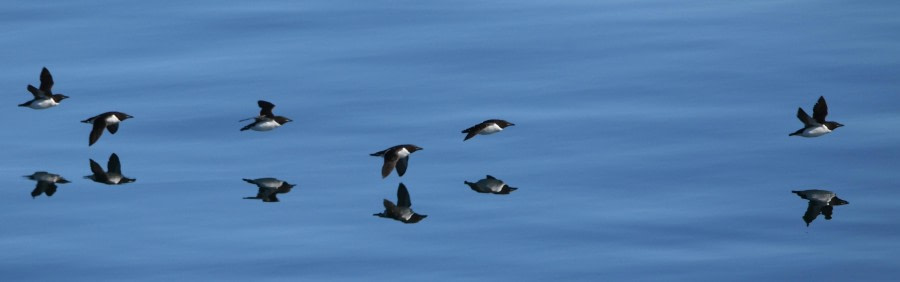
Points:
[397,156]
[490,185]
[816,125]
[43,96]
[108,120]
[46,183]
[266,120]
[402,211]
[269,188]
[113,174]
[820,202]
[487,127]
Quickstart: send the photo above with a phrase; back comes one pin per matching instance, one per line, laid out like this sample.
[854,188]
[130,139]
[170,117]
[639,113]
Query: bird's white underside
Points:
[41,104]
[266,125]
[491,129]
[815,131]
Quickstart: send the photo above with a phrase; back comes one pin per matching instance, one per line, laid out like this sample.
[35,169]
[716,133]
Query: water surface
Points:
[651,140]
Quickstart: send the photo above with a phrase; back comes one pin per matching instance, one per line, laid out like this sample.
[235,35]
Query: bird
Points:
[43,96]
[108,120]
[266,120]
[46,183]
[402,211]
[816,125]
[397,156]
[490,126]
[820,201]
[269,188]
[490,185]
[113,175]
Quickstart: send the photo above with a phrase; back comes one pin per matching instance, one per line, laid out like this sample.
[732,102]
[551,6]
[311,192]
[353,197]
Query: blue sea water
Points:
[650,140]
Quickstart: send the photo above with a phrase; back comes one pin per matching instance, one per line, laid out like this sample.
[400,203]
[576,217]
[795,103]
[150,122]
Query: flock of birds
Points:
[395,158]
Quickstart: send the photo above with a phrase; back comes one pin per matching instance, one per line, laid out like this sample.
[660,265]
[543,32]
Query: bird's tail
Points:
[246,127]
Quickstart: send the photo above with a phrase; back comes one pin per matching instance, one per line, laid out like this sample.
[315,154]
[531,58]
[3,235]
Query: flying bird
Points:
[816,125]
[402,211]
[113,175]
[108,120]
[490,185]
[487,127]
[266,120]
[43,96]
[269,188]
[397,156]
[46,183]
[820,202]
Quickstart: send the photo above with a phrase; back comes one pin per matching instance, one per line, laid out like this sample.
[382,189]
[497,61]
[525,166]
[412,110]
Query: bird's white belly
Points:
[269,183]
[492,185]
[815,131]
[112,119]
[265,126]
[114,178]
[47,177]
[43,104]
[493,128]
[402,153]
[822,196]
[406,213]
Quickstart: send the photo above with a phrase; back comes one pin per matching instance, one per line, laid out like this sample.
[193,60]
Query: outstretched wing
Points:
[403,196]
[812,211]
[113,128]
[96,132]
[266,109]
[804,117]
[820,110]
[114,166]
[36,92]
[472,131]
[99,174]
[401,165]
[389,164]
[46,81]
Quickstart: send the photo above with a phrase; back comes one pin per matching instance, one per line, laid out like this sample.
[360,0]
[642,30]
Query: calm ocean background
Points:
[651,140]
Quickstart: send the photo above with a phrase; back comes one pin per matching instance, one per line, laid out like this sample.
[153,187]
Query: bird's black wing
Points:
[99,125]
[820,110]
[403,196]
[114,166]
[113,128]
[266,109]
[46,82]
[402,163]
[50,190]
[390,210]
[472,131]
[390,161]
[804,117]
[36,92]
[812,211]
[97,170]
